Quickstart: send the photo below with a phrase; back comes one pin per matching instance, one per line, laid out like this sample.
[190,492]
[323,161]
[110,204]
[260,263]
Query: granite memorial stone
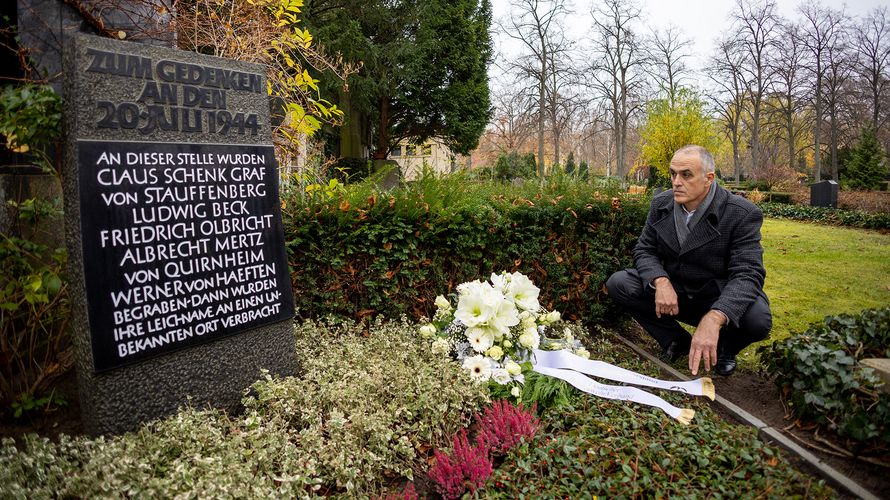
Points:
[824,194]
[179,279]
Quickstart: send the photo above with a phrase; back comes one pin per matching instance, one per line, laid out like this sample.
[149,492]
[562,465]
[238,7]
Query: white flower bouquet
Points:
[494,329]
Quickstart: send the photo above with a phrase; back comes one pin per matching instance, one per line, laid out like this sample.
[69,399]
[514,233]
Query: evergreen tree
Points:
[530,165]
[570,163]
[866,167]
[423,75]
[513,165]
[582,169]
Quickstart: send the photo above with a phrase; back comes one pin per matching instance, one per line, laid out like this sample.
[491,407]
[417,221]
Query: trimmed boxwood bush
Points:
[827,215]
[819,373]
[390,253]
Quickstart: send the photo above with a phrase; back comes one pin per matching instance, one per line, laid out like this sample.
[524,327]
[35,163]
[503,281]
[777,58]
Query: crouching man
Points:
[698,261]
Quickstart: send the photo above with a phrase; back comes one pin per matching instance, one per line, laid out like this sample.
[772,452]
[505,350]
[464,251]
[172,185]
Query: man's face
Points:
[690,184]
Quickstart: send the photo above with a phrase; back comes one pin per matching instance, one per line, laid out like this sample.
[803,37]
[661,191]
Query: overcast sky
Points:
[702,20]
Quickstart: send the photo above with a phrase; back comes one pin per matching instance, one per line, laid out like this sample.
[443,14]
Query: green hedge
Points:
[367,253]
[827,215]
[819,371]
[779,197]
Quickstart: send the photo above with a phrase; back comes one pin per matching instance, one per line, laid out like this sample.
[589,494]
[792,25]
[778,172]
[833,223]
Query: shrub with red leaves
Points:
[503,426]
[466,467]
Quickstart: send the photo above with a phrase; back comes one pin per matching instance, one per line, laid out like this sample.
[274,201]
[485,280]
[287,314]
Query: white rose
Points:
[530,339]
[553,316]
[442,303]
[584,353]
[495,353]
[427,330]
[515,391]
[500,376]
[513,367]
[528,319]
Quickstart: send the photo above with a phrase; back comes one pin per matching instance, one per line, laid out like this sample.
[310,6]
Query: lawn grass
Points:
[815,270]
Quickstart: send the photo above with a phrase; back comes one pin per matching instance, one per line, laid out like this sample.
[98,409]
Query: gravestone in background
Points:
[178,275]
[823,194]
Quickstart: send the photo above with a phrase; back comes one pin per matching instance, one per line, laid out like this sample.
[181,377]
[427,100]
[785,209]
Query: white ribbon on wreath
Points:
[573,369]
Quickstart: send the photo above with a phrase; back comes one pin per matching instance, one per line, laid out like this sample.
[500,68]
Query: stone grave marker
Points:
[178,275]
[824,194]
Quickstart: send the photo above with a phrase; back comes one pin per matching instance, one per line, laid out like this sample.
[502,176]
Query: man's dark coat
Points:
[722,256]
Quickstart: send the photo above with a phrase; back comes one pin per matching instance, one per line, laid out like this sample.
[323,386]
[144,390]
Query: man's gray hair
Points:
[707,161]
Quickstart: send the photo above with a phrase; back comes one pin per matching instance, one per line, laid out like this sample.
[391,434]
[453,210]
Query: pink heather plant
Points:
[466,467]
[503,426]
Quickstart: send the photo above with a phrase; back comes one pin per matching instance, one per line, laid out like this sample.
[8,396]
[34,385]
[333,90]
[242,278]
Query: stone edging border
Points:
[766,431]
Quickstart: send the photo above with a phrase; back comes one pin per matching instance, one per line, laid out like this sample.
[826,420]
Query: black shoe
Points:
[675,350]
[725,365]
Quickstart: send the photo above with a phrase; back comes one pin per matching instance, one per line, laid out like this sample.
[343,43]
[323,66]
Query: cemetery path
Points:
[760,397]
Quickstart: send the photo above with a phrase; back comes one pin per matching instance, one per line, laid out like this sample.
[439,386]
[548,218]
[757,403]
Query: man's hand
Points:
[665,298]
[704,341]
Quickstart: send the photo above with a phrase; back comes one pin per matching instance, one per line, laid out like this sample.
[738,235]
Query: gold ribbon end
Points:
[707,388]
[686,415]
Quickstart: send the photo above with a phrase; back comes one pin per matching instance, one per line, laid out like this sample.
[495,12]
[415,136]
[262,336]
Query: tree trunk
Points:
[556,148]
[755,138]
[789,124]
[736,161]
[621,167]
[832,137]
[817,132]
[382,149]
[542,80]
[350,132]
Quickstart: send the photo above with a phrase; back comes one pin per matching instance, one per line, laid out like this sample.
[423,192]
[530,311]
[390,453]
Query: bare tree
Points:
[840,61]
[873,43]
[533,23]
[789,88]
[821,27]
[729,95]
[595,136]
[513,120]
[667,52]
[617,72]
[756,30]
[561,96]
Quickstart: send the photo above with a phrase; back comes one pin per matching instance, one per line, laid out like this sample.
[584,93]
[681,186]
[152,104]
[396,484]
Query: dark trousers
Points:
[638,298]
